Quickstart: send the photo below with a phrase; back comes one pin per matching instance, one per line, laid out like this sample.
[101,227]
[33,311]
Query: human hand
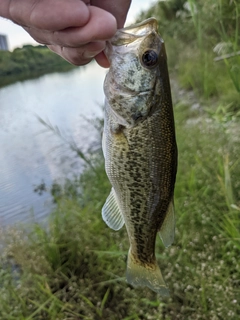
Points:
[76,30]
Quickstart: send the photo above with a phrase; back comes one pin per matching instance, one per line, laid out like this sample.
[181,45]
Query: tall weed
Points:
[76,268]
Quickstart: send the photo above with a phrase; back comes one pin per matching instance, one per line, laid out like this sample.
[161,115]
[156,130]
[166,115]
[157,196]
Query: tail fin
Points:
[139,275]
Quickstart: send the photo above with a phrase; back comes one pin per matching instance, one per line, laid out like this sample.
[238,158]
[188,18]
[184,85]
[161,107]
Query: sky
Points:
[17,36]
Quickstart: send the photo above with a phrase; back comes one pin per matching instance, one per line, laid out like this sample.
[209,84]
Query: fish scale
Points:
[140,148]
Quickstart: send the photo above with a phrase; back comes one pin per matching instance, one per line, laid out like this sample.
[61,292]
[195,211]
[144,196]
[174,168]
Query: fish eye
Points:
[150,58]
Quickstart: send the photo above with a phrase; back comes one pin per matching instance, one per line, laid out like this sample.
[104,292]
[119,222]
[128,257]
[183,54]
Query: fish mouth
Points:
[129,34]
[132,92]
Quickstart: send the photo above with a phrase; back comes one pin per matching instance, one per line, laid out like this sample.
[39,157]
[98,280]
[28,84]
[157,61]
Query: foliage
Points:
[76,268]
[29,62]
[198,35]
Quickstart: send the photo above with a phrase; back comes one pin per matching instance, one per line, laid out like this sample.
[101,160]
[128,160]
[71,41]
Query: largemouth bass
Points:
[140,149]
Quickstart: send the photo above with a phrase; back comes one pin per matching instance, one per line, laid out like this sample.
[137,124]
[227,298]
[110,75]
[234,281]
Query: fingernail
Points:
[90,55]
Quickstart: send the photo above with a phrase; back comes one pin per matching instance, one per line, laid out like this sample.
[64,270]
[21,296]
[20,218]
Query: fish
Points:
[139,147]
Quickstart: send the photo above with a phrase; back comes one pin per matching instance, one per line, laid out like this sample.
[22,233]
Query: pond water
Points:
[29,153]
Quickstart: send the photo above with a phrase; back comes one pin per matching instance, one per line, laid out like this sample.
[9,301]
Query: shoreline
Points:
[30,62]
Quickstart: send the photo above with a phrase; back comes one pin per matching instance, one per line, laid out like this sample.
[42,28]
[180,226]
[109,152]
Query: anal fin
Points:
[167,230]
[111,212]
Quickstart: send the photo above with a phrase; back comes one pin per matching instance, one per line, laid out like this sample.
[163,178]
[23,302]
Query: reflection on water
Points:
[29,154]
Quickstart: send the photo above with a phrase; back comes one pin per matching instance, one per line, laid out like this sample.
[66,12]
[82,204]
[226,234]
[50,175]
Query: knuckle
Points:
[76,57]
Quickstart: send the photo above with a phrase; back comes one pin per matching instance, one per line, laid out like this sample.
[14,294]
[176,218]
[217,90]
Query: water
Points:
[30,154]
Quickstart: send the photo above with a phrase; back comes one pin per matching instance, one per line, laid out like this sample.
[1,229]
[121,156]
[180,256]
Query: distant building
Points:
[3,42]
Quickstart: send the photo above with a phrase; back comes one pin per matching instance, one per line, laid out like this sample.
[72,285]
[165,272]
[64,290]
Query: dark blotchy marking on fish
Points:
[140,148]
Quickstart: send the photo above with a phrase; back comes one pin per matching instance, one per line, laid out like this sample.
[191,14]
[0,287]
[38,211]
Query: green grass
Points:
[196,32]
[76,268]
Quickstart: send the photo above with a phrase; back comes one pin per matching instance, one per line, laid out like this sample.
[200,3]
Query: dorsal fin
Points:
[167,230]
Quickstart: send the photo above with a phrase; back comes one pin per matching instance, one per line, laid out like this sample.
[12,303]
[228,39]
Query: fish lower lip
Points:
[133,92]
[144,92]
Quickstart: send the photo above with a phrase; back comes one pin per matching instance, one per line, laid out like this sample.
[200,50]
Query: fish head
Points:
[133,83]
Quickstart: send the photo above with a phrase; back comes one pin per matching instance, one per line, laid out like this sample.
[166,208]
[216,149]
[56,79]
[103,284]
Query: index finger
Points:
[51,15]
[118,8]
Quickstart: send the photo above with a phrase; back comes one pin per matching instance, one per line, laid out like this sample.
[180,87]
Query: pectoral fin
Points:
[167,230]
[111,212]
[104,144]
